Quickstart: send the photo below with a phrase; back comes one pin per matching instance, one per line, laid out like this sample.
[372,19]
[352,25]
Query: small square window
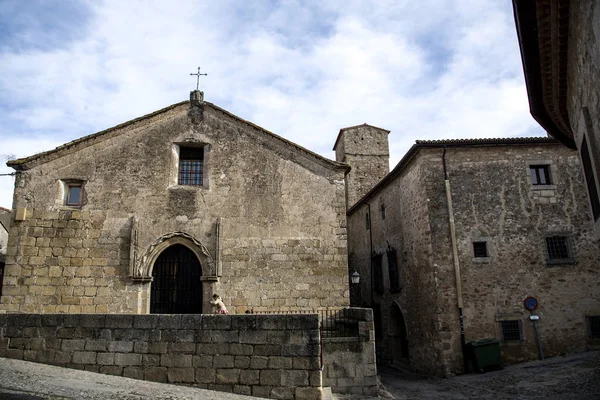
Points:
[594,324]
[191,166]
[511,330]
[73,197]
[558,248]
[540,174]
[480,249]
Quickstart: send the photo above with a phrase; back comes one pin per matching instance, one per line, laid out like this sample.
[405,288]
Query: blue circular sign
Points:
[531,303]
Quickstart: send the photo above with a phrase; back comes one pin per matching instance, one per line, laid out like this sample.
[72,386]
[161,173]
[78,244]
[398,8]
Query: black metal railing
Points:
[341,322]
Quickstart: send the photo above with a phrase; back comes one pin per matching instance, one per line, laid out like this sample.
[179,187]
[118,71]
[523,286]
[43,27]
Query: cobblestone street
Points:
[572,377]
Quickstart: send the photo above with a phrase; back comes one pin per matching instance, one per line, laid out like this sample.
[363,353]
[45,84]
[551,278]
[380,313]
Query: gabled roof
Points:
[419,144]
[354,127]
[77,144]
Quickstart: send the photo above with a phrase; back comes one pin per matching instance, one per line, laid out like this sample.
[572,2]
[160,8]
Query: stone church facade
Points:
[107,223]
[467,230]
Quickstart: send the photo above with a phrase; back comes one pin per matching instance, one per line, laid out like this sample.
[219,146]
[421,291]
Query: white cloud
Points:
[303,70]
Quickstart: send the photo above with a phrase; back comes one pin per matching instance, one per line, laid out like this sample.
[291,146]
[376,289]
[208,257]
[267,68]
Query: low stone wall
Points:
[349,363]
[275,356]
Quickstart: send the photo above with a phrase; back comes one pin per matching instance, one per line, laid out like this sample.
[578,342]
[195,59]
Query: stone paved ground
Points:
[22,380]
[575,377]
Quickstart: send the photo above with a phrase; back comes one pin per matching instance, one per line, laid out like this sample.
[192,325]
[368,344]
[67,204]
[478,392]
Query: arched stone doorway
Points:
[176,282]
[398,335]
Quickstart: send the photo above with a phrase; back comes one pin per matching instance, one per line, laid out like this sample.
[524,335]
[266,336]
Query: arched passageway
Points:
[176,285]
[398,335]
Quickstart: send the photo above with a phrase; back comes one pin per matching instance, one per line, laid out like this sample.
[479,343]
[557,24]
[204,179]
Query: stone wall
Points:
[495,201]
[405,229]
[268,225]
[349,363]
[583,100]
[273,356]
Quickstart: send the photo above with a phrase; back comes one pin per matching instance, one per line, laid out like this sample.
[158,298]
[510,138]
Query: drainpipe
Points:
[371,256]
[455,258]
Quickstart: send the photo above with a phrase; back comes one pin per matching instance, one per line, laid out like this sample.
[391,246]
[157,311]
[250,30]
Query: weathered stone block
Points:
[308,393]
[282,393]
[269,350]
[215,322]
[253,337]
[133,372]
[84,357]
[128,359]
[181,375]
[150,359]
[120,346]
[276,362]
[142,321]
[214,348]
[223,361]
[106,359]
[176,360]
[270,377]
[155,374]
[241,389]
[227,376]
[72,345]
[294,378]
[261,391]
[111,370]
[189,347]
[119,321]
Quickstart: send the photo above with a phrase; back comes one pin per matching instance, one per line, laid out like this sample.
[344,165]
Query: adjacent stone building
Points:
[4,221]
[158,214]
[560,49]
[468,229]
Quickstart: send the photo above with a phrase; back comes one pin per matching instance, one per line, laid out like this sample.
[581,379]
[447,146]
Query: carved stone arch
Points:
[146,261]
[398,331]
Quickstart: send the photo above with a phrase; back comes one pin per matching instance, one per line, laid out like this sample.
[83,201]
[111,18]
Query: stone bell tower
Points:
[365,148]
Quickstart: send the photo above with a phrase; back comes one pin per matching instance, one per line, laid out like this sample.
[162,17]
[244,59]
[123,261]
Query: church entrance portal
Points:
[176,285]
[399,337]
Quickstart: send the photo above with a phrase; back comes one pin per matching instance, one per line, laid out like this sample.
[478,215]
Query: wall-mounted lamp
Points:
[355,277]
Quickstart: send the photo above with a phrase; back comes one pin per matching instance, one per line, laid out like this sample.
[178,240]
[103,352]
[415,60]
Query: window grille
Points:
[589,179]
[558,248]
[191,166]
[377,274]
[480,249]
[594,323]
[393,271]
[540,174]
[511,330]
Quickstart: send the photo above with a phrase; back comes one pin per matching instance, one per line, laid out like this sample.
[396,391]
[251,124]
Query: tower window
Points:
[383,211]
[191,166]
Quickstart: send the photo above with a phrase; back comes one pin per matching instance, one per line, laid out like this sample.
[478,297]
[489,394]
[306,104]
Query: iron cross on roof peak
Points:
[198,77]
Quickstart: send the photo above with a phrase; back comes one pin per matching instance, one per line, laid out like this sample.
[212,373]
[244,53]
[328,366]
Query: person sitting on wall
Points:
[218,302]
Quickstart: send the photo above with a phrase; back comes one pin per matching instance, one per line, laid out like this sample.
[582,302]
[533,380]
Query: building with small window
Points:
[459,234]
[560,50]
[158,214]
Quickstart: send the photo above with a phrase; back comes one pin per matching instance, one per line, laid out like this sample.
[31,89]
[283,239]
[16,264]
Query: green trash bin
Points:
[483,354]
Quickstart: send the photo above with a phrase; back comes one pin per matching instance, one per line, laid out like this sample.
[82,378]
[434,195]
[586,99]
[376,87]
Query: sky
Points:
[429,69]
